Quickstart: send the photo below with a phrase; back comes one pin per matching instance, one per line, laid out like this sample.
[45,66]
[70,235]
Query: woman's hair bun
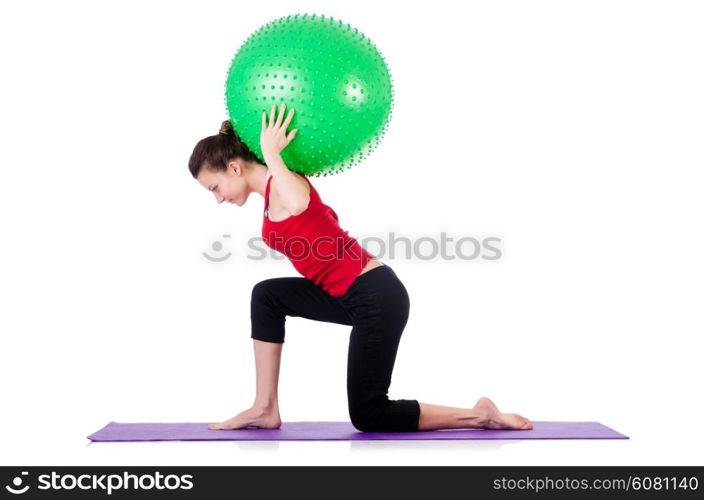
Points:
[216,150]
[227,128]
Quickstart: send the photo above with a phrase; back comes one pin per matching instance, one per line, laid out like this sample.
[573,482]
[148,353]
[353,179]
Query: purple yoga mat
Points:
[344,431]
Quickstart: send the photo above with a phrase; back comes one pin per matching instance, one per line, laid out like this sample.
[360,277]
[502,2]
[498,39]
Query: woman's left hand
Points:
[273,136]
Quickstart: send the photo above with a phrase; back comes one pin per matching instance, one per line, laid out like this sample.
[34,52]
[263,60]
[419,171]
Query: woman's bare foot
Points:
[254,417]
[498,420]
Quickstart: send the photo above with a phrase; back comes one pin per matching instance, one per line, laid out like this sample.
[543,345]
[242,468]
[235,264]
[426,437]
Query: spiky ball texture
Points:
[327,71]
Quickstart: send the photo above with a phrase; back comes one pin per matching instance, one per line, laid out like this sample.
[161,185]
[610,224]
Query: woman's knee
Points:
[368,416]
[267,319]
[380,414]
[262,289]
[263,295]
[363,424]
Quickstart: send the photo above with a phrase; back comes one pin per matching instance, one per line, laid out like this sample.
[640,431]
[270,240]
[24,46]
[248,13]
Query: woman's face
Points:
[226,185]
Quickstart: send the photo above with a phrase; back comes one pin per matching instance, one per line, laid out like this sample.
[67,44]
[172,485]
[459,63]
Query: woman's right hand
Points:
[254,417]
[273,135]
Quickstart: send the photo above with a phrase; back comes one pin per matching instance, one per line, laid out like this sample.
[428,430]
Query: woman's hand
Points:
[273,136]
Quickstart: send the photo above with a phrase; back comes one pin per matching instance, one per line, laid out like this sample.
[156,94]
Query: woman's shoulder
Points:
[303,179]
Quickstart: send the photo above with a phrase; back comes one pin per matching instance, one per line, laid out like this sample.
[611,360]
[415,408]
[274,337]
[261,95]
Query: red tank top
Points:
[316,245]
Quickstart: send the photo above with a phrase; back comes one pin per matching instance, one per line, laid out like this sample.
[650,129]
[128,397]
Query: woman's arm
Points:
[291,189]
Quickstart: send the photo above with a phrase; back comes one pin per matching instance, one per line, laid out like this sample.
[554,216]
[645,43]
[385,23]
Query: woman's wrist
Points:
[270,157]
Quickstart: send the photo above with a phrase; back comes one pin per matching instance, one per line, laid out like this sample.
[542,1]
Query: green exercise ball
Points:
[329,73]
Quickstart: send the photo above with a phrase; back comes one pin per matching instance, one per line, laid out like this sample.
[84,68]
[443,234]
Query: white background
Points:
[570,130]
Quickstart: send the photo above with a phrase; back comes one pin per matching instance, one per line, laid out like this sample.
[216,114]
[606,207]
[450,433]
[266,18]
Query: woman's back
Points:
[315,244]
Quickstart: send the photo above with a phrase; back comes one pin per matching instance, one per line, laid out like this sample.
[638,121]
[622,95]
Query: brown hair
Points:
[216,151]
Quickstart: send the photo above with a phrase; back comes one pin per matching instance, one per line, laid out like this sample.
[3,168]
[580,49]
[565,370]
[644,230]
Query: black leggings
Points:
[376,306]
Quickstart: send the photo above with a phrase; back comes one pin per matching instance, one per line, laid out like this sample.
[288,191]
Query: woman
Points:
[342,283]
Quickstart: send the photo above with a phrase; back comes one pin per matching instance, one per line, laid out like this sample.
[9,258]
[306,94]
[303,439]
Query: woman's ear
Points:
[234,167]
